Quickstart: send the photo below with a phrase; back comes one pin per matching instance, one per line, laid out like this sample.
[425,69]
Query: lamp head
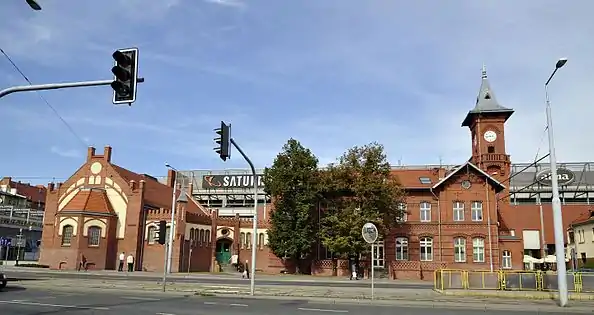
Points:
[560,63]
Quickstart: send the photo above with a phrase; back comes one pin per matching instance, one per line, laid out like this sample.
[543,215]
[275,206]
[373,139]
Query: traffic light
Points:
[125,71]
[162,232]
[223,141]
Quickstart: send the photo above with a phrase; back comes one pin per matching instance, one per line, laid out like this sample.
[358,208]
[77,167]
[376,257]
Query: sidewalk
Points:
[205,275]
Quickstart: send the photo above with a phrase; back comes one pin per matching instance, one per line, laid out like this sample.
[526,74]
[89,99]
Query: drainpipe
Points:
[438,221]
[489,224]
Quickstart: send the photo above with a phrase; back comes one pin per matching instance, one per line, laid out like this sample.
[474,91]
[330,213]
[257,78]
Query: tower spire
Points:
[484,72]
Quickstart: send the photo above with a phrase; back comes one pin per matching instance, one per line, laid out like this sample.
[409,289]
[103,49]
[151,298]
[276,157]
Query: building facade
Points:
[485,213]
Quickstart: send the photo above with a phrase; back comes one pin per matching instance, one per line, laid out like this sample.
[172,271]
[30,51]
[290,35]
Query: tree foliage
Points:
[358,189]
[292,182]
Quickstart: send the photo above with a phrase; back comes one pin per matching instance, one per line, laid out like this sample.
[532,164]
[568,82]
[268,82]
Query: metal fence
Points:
[453,279]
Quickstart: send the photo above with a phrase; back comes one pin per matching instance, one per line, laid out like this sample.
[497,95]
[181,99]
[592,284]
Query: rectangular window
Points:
[476,210]
[67,233]
[94,236]
[401,248]
[478,250]
[425,211]
[506,261]
[458,211]
[459,249]
[425,180]
[402,210]
[426,245]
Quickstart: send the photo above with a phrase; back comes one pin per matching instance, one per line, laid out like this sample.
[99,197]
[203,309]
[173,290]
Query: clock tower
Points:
[486,122]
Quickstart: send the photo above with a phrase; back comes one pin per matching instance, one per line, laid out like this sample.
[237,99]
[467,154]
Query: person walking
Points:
[130,261]
[121,265]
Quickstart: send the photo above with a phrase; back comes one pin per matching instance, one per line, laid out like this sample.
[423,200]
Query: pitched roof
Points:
[33,193]
[416,178]
[584,218]
[498,186]
[92,200]
[486,103]
[156,193]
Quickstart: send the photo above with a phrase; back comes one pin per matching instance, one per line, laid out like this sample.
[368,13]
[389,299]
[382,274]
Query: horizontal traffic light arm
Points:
[56,86]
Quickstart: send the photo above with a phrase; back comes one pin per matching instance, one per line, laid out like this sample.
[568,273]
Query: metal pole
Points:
[172,228]
[190,258]
[556,203]
[372,271]
[56,86]
[255,218]
[165,268]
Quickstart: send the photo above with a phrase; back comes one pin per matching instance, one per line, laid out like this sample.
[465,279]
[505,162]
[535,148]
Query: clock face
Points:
[490,136]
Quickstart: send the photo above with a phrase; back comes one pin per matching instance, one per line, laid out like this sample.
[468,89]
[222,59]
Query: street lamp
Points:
[34,5]
[556,202]
[169,245]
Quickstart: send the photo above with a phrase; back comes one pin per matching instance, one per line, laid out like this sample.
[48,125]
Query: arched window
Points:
[401,248]
[426,246]
[94,236]
[478,249]
[460,249]
[248,240]
[242,240]
[67,232]
[191,233]
[207,237]
[261,241]
[201,236]
[152,231]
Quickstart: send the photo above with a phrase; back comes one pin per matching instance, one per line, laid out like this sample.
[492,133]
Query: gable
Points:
[468,167]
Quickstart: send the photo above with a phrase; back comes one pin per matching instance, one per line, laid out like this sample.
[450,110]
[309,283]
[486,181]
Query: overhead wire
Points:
[47,103]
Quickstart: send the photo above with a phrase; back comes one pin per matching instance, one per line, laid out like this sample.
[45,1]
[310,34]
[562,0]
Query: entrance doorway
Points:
[223,251]
[379,255]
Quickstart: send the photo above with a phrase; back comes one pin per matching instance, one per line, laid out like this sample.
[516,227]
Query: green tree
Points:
[358,189]
[292,182]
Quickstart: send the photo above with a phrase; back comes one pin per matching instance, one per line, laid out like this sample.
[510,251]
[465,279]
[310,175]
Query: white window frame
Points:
[403,208]
[152,233]
[379,255]
[94,236]
[401,248]
[478,250]
[506,260]
[425,211]
[426,249]
[476,211]
[458,208]
[459,249]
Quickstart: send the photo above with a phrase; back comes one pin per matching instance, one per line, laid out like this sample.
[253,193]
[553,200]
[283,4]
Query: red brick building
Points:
[484,213]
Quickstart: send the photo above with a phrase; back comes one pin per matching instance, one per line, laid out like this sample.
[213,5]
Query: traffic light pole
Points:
[56,86]
[255,218]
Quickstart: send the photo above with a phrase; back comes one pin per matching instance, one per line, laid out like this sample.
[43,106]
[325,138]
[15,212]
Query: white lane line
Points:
[322,310]
[139,298]
[211,303]
[165,314]
[53,305]
[236,304]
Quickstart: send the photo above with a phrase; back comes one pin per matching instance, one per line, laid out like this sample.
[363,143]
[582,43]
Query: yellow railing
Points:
[448,279]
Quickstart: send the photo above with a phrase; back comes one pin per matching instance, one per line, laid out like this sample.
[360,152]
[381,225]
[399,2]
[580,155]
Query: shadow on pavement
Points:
[12,288]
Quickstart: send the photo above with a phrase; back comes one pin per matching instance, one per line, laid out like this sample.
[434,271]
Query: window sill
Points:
[66,245]
[93,246]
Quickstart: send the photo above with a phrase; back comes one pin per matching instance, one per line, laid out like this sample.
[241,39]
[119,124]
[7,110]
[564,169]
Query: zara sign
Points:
[564,177]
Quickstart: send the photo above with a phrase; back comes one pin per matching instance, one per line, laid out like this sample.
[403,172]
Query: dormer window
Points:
[487,96]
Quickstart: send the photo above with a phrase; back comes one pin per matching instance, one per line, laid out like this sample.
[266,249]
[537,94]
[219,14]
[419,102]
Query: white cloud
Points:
[228,3]
[67,153]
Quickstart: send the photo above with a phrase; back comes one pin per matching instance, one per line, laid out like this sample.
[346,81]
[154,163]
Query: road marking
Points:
[165,314]
[321,310]
[53,305]
[139,298]
[211,303]
[242,305]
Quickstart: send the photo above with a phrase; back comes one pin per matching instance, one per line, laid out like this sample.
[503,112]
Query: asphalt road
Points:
[15,300]
[13,276]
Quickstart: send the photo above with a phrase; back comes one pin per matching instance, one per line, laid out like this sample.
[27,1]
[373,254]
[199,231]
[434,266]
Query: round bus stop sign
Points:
[369,233]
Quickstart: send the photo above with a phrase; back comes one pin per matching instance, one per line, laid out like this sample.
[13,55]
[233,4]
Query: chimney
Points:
[58,185]
[107,154]
[132,185]
[190,188]
[171,177]
[50,186]
[90,153]
[141,186]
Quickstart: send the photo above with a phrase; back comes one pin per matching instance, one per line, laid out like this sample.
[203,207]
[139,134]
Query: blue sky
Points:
[332,74]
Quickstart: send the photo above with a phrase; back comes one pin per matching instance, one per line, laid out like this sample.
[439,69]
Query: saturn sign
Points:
[564,177]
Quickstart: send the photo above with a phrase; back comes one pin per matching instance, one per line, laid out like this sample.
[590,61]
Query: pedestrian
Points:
[246,271]
[130,261]
[84,262]
[121,266]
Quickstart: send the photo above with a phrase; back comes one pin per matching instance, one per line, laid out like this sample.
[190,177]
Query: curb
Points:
[519,295]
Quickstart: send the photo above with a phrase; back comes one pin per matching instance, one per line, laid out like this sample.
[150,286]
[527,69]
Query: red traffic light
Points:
[121,58]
